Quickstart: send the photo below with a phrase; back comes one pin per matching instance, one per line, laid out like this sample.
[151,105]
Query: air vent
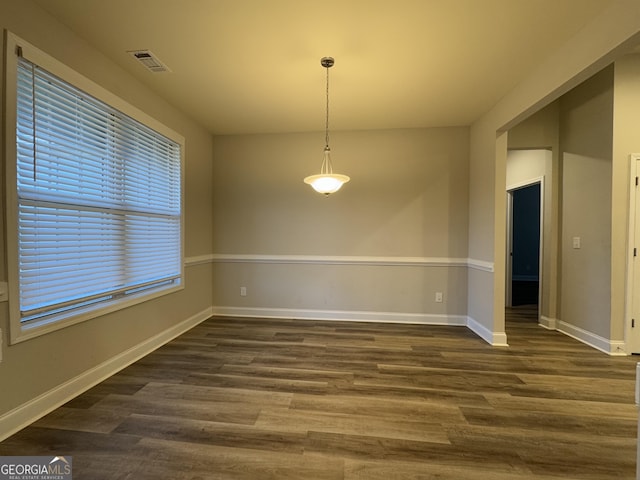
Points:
[149,60]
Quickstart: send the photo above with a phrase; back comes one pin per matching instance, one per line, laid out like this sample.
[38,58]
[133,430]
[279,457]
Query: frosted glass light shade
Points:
[326,181]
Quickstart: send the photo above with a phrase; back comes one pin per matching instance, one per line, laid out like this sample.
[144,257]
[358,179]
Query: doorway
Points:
[524,245]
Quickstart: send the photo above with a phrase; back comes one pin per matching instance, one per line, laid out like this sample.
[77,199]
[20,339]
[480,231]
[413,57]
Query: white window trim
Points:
[18,331]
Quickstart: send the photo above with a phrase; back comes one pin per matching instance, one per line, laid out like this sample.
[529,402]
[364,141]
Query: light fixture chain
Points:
[326,134]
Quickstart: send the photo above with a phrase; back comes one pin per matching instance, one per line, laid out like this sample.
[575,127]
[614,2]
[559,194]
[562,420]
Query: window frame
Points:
[19,330]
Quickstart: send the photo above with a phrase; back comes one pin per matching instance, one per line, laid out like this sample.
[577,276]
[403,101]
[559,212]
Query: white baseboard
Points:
[496,339]
[27,413]
[548,323]
[610,347]
[342,315]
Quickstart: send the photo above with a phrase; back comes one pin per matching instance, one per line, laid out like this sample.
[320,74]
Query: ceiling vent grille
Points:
[149,61]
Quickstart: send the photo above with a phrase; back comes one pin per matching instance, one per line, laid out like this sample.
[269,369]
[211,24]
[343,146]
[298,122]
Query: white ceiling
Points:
[253,66]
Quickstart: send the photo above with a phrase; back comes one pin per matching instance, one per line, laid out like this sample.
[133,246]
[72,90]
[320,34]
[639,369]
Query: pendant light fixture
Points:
[326,182]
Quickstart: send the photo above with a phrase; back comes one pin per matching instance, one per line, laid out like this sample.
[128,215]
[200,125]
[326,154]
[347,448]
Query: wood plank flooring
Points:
[286,399]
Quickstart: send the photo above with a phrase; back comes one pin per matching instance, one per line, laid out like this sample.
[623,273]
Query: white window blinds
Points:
[99,200]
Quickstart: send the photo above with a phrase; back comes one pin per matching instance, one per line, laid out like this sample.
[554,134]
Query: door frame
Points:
[634,158]
[509,260]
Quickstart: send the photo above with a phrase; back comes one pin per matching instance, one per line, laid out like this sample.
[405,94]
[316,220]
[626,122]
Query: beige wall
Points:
[586,133]
[540,130]
[486,234]
[407,199]
[525,165]
[33,367]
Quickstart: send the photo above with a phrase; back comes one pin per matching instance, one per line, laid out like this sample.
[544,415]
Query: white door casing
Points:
[632,334]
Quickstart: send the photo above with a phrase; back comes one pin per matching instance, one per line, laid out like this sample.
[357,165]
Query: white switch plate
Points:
[243,291]
[438,297]
[577,242]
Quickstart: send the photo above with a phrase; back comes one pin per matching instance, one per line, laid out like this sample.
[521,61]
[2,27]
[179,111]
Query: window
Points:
[97,200]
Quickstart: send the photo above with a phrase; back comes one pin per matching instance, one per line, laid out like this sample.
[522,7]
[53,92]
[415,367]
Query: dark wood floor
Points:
[278,399]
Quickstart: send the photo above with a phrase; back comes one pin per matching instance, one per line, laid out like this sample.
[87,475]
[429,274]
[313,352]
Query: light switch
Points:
[576,242]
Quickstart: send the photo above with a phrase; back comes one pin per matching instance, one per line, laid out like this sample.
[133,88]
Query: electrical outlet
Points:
[438,297]
[243,291]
